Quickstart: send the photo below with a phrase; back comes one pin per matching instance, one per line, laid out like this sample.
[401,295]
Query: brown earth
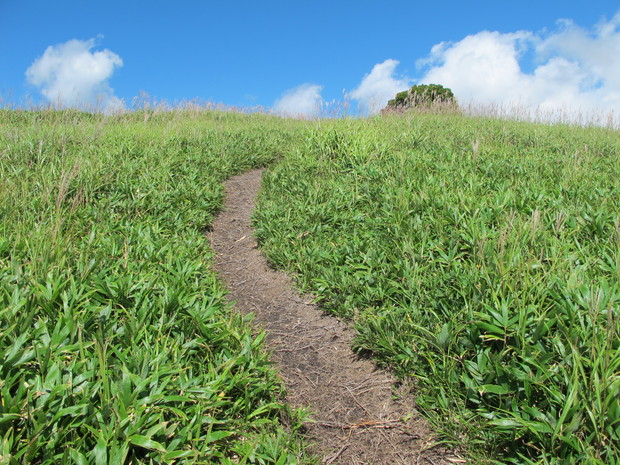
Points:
[360,415]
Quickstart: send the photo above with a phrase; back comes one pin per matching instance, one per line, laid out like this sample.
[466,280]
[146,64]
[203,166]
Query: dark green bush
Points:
[423,95]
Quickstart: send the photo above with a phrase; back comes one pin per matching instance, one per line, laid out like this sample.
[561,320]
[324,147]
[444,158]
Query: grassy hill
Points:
[117,345]
[480,257]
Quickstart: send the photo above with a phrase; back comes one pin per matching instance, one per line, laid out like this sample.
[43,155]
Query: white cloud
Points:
[575,70]
[379,86]
[303,101]
[72,75]
[481,66]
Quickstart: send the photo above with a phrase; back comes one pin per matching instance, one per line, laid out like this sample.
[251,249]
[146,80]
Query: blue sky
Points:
[295,57]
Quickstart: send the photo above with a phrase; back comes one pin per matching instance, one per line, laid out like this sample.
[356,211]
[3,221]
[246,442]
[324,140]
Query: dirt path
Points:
[356,420]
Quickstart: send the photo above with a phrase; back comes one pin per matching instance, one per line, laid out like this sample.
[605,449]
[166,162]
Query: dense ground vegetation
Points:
[479,256]
[116,344]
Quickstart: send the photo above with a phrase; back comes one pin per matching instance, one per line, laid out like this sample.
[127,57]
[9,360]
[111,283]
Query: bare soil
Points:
[361,415]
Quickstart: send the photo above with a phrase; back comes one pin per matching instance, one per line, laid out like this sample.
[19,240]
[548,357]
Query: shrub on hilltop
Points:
[422,96]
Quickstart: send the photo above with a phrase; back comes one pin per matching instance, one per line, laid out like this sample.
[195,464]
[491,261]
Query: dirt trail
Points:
[356,419]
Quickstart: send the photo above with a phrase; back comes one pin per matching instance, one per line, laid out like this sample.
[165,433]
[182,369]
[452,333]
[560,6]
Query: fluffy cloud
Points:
[575,70]
[481,67]
[379,86]
[303,101]
[72,75]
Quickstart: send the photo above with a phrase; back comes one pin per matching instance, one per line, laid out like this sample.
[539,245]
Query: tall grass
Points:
[549,115]
[478,256]
[116,342]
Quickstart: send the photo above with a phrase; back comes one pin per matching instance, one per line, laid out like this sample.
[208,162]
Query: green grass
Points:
[477,256]
[116,342]
[480,257]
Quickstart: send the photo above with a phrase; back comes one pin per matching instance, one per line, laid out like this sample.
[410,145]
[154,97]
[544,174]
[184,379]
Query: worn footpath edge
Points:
[359,416]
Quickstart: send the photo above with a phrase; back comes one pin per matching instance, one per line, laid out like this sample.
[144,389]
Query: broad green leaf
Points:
[146,442]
